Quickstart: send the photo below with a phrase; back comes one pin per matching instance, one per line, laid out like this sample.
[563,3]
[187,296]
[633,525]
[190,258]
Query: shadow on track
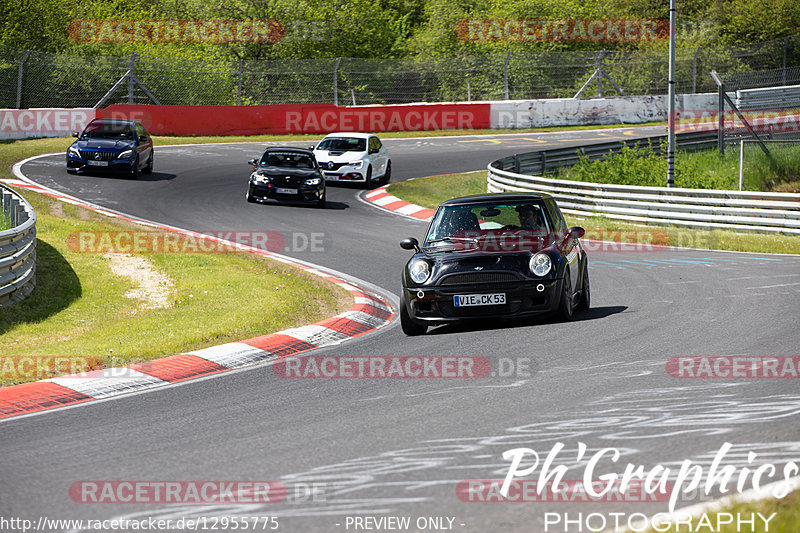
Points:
[593,313]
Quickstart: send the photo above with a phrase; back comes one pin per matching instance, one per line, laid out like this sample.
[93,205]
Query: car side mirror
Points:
[576,232]
[75,134]
[252,162]
[374,150]
[144,139]
[410,244]
[312,147]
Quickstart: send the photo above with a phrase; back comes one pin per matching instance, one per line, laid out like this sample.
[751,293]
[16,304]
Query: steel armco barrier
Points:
[17,248]
[703,208]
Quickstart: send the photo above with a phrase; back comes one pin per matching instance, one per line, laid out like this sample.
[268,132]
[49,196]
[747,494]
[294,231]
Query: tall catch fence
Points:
[33,79]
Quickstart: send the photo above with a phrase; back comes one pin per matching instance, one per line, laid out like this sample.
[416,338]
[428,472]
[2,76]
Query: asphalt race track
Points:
[399,447]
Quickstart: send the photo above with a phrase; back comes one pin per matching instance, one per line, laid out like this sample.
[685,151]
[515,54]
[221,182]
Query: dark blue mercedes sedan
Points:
[116,146]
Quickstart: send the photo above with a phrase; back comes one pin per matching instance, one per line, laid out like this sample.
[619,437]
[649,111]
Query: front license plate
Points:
[287,191]
[331,177]
[471,300]
[98,163]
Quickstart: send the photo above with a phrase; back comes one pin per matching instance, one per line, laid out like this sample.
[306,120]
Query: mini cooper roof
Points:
[495,197]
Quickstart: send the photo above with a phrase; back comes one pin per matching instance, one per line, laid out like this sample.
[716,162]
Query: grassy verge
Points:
[79,316]
[702,169]
[786,519]
[430,192]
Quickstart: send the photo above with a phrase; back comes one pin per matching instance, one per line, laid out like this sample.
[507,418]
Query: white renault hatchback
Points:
[353,157]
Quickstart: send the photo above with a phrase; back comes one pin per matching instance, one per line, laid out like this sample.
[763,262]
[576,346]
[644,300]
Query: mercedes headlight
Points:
[127,154]
[74,152]
[419,270]
[356,164]
[540,264]
[313,181]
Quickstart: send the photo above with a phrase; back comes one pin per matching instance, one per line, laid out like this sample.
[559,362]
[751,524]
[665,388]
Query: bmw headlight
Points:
[419,270]
[540,264]
[313,181]
[356,164]
[258,178]
[127,154]
[74,152]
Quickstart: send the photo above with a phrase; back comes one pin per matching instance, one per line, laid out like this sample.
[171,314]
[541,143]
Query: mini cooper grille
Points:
[468,278]
[98,156]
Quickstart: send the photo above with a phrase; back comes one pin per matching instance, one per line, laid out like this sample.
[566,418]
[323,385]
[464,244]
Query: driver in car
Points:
[529,218]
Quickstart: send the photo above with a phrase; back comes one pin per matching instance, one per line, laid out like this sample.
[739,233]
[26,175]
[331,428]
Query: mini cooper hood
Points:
[103,144]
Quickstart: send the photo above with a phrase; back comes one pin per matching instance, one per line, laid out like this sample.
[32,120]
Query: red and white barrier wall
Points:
[326,118]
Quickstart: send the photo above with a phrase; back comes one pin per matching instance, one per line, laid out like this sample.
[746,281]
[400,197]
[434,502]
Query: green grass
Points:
[79,310]
[786,519]
[702,169]
[430,192]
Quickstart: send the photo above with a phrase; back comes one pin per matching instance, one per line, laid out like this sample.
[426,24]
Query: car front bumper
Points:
[306,194]
[435,305]
[77,164]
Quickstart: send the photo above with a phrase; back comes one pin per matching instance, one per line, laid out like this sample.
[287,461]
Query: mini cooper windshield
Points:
[520,226]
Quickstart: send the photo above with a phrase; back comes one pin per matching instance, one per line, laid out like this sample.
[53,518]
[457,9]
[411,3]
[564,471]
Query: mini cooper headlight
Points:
[356,164]
[74,152]
[419,270]
[540,264]
[127,154]
[313,181]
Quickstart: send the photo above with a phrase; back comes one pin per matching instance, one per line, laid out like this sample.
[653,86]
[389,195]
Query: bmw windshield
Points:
[287,160]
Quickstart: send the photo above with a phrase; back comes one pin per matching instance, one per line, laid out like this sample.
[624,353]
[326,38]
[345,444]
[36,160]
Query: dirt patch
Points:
[153,288]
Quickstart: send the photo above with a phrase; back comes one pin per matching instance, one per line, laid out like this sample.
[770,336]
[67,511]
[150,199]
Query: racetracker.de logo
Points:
[537,30]
[170,242]
[177,492]
[734,367]
[176,31]
[565,491]
[379,366]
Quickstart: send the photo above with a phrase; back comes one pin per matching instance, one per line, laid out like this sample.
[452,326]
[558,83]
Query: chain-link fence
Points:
[33,79]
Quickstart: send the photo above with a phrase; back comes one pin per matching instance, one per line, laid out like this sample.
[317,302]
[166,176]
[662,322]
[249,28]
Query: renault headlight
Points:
[127,154]
[419,270]
[540,264]
[356,164]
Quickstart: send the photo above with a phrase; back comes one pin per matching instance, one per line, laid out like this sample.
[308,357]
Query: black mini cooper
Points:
[287,175]
[494,256]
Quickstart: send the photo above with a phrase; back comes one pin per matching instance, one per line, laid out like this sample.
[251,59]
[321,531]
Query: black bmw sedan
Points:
[288,175]
[494,256]
[112,146]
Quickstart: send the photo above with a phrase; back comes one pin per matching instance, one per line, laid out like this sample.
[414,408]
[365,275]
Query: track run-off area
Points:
[377,448]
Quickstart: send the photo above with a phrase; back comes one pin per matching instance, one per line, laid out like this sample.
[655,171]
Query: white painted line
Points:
[316,335]
[385,200]
[410,209]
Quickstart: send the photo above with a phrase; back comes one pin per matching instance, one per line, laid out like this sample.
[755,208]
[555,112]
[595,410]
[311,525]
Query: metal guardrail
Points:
[704,208]
[17,248]
[769,98]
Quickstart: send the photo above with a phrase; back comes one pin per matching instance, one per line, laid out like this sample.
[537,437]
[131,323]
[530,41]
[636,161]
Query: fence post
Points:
[336,81]
[785,44]
[505,73]
[28,52]
[694,69]
[239,85]
[721,120]
[599,71]
[131,85]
